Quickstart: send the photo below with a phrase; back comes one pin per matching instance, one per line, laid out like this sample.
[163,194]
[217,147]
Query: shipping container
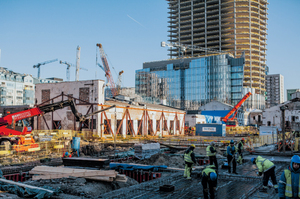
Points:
[211,130]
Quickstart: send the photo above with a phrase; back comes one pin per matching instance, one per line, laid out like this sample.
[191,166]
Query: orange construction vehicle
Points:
[232,122]
[15,129]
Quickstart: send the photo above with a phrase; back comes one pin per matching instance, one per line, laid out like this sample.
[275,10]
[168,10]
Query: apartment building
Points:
[275,90]
[18,89]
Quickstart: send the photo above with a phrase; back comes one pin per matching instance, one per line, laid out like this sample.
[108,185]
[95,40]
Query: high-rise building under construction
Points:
[233,26]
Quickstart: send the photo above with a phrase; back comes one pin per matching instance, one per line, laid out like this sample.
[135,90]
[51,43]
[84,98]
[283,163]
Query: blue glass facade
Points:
[188,83]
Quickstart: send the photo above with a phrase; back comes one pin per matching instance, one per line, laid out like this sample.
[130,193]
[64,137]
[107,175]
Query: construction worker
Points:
[231,150]
[289,180]
[66,155]
[267,168]
[211,153]
[189,159]
[209,176]
[240,151]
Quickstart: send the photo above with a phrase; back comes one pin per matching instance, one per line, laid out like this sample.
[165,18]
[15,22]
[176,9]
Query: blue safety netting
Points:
[131,167]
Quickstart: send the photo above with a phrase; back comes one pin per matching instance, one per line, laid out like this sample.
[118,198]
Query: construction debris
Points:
[144,151]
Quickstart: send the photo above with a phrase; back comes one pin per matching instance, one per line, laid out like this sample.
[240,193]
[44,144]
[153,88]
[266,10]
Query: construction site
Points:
[186,116]
[82,139]
[74,143]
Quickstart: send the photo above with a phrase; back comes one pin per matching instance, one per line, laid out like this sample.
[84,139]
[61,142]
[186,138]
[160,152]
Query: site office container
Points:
[211,130]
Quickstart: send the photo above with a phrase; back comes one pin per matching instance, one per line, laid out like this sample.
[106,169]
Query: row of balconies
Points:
[175,20]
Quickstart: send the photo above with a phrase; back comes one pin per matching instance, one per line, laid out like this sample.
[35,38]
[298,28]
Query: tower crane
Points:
[68,68]
[77,63]
[119,77]
[43,63]
[184,47]
[119,81]
[108,74]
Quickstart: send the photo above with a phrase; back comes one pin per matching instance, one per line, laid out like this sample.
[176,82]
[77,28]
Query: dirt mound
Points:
[162,159]
[81,187]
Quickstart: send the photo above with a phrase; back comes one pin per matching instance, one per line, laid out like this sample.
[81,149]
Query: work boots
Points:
[263,189]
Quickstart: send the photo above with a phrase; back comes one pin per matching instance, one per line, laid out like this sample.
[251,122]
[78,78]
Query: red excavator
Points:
[15,129]
[232,122]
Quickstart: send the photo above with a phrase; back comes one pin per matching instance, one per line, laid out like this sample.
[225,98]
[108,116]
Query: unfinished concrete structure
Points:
[275,90]
[128,118]
[234,26]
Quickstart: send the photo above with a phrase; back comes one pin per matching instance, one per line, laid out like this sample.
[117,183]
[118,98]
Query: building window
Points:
[84,94]
[269,123]
[46,96]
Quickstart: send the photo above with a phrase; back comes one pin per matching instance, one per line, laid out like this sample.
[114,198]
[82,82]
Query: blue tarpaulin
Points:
[215,116]
[131,167]
[26,192]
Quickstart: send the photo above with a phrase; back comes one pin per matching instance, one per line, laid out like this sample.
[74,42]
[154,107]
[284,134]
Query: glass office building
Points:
[188,83]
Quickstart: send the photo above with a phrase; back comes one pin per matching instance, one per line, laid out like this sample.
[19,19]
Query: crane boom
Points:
[235,108]
[68,68]
[43,63]
[108,74]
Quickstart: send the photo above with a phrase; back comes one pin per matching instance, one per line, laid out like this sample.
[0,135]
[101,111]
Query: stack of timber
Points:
[46,172]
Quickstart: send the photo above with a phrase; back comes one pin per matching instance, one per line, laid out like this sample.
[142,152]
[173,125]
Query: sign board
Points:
[209,129]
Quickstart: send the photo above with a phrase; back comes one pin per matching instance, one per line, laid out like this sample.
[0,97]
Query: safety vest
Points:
[208,152]
[187,157]
[242,145]
[207,171]
[263,164]
[288,185]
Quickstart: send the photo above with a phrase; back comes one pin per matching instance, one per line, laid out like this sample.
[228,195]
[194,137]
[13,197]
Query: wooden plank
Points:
[59,170]
[96,178]
[82,175]
[24,185]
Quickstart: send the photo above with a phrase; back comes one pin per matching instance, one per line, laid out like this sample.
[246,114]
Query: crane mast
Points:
[108,74]
[77,63]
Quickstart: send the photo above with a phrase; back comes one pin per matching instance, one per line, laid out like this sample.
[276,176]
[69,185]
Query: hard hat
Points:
[296,159]
[231,142]
[212,143]
[192,145]
[243,139]
[66,153]
[253,160]
[213,176]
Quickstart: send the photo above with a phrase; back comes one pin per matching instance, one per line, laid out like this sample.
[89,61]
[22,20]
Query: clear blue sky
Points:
[35,31]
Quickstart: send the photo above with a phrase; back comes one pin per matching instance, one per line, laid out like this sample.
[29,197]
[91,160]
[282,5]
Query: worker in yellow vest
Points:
[209,177]
[289,184]
[211,153]
[267,168]
[189,159]
[240,150]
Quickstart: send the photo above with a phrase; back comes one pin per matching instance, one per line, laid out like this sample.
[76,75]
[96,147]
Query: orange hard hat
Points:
[243,139]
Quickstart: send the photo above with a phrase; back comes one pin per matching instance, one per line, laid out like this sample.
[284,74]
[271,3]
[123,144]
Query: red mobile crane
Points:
[230,122]
[108,74]
[14,127]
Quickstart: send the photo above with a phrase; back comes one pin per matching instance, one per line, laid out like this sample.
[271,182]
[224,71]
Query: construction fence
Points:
[51,144]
